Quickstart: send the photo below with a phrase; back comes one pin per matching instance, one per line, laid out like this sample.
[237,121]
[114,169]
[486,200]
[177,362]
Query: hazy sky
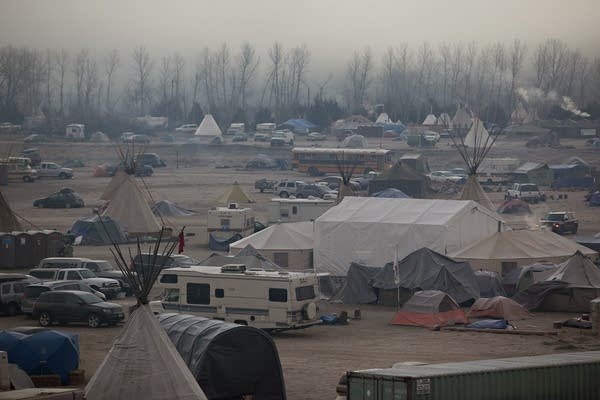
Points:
[331,28]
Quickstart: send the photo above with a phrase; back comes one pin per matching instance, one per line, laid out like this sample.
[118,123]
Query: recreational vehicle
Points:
[266,127]
[496,170]
[236,128]
[269,300]
[229,220]
[75,132]
[295,210]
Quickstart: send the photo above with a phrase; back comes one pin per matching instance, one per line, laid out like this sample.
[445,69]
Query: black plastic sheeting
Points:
[228,360]
[215,243]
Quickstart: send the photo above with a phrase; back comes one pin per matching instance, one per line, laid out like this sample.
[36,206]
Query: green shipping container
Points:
[571,376]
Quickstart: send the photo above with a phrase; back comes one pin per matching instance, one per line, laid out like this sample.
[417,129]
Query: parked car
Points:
[445,176]
[34,155]
[53,170]
[261,137]
[136,138]
[110,287]
[313,190]
[12,288]
[460,172]
[561,222]
[264,184]
[32,292]
[334,182]
[187,128]
[65,198]
[151,159]
[528,192]
[287,188]
[282,138]
[100,268]
[19,172]
[316,136]
[239,137]
[64,306]
[35,138]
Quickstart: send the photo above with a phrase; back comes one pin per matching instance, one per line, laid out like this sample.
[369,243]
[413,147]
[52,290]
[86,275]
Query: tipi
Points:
[8,220]
[473,149]
[383,119]
[143,363]
[444,120]
[234,194]
[430,120]
[462,120]
[208,127]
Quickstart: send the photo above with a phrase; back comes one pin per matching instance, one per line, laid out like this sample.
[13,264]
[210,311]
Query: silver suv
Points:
[12,289]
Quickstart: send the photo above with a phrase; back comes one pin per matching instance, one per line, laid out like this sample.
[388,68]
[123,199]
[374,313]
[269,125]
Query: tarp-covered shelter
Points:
[8,219]
[143,363]
[222,240]
[489,284]
[391,193]
[430,309]
[519,279]
[208,127]
[235,194]
[298,125]
[417,161]
[355,142]
[472,190]
[367,230]
[248,256]
[289,245]
[129,207]
[92,231]
[504,251]
[166,208]
[499,307]
[533,172]
[99,137]
[514,206]
[402,177]
[228,360]
[40,353]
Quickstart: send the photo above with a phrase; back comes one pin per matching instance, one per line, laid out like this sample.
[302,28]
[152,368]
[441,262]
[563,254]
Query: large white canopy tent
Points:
[369,230]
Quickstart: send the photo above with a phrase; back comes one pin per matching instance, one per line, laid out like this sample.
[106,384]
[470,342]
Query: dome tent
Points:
[228,360]
[430,308]
[92,231]
[235,194]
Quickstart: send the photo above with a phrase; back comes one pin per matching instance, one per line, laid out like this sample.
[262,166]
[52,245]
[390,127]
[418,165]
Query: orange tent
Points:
[430,309]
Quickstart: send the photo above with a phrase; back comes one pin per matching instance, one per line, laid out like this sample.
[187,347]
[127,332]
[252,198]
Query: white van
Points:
[263,299]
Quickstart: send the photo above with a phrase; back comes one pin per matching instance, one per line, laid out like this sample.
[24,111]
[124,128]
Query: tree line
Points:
[104,90]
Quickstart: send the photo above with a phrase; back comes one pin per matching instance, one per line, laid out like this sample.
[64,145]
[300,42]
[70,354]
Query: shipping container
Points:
[570,376]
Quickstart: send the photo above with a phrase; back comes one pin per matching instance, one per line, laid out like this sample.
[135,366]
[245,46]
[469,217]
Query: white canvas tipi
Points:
[473,191]
[462,120]
[208,127]
[383,119]
[444,120]
[430,120]
[478,136]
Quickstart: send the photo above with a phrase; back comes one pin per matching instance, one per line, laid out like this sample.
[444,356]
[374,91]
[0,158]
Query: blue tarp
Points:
[299,124]
[391,193]
[222,244]
[579,182]
[398,128]
[488,324]
[46,352]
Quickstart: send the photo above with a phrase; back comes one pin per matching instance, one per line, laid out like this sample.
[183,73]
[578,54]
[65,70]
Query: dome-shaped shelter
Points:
[228,360]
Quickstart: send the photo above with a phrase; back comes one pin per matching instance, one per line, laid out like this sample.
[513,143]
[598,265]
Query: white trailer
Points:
[224,221]
[267,300]
[296,210]
[75,132]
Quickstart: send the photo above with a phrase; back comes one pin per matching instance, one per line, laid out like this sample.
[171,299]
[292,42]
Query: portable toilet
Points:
[53,243]
[75,132]
[7,250]
[23,243]
[3,174]
[38,247]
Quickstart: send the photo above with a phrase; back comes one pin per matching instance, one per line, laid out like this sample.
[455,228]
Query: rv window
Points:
[172,295]
[168,278]
[281,259]
[219,293]
[294,210]
[284,213]
[305,293]
[198,293]
[279,295]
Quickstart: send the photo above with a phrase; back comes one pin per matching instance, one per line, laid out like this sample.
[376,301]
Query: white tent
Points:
[208,127]
[519,248]
[368,230]
[461,120]
[289,245]
[383,119]
[129,208]
[430,120]
[478,136]
[114,184]
[472,190]
[444,120]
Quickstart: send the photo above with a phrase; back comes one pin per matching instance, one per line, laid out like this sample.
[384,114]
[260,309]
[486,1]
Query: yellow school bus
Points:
[319,160]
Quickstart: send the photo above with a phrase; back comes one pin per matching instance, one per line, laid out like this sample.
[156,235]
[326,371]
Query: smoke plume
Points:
[536,98]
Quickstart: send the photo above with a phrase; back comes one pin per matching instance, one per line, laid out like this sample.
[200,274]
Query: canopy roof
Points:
[8,220]
[472,190]
[521,244]
[281,236]
[143,364]
[208,127]
[234,194]
[128,206]
[299,123]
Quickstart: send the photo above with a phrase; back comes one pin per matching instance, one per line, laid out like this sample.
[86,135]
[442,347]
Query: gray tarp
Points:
[166,208]
[489,284]
[248,256]
[228,360]
[423,269]
[533,297]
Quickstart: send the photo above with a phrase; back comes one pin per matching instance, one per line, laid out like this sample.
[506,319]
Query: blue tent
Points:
[46,352]
[391,193]
[299,125]
[98,230]
[398,128]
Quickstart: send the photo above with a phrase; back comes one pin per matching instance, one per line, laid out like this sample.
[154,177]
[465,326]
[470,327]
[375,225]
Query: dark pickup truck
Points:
[561,222]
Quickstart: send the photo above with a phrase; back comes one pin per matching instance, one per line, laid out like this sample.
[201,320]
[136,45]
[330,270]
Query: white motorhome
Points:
[496,170]
[231,219]
[75,132]
[266,127]
[235,128]
[267,300]
[296,210]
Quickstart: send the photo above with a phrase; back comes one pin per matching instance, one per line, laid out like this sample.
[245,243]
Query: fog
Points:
[329,28]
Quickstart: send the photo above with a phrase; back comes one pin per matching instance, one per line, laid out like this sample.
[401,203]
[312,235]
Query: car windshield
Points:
[33,292]
[104,266]
[89,298]
[86,273]
[529,188]
[554,217]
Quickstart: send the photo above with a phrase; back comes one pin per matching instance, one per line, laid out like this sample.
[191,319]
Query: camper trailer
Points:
[229,220]
[268,300]
[496,170]
[295,210]
[266,127]
[75,132]
[236,128]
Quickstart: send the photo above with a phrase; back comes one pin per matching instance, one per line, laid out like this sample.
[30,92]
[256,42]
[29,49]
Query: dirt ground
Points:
[312,359]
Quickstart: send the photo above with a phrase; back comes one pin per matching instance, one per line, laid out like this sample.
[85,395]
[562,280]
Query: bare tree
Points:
[247,65]
[358,76]
[142,67]
[111,63]
[62,65]
[79,69]
[516,56]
